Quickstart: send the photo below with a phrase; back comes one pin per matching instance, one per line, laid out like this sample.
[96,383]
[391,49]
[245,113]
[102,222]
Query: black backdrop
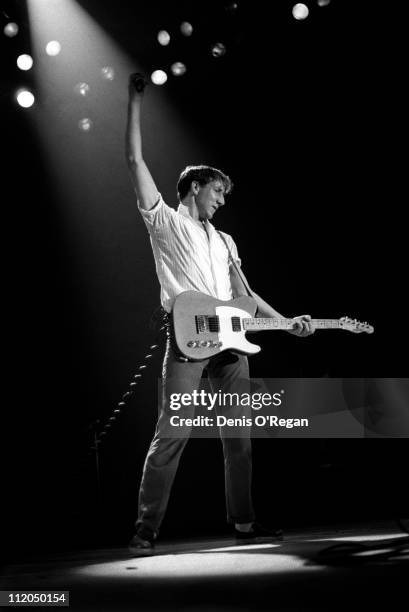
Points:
[306,118]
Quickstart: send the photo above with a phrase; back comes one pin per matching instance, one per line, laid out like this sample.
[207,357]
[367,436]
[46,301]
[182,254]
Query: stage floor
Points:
[340,568]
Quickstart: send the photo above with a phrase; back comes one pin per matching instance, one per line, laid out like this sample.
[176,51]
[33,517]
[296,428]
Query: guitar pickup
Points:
[206,323]
[201,323]
[236,324]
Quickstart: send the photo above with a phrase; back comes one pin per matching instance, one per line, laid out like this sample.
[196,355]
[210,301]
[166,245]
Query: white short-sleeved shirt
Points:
[186,256]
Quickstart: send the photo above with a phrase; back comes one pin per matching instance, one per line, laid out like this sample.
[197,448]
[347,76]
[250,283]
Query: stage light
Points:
[11,29]
[82,89]
[25,98]
[85,124]
[108,73]
[159,77]
[24,62]
[231,7]
[218,50]
[323,2]
[300,11]
[163,38]
[53,48]
[186,28]
[178,69]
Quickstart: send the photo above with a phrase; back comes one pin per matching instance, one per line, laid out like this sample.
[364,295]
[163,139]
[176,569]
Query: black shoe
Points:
[257,531]
[143,542]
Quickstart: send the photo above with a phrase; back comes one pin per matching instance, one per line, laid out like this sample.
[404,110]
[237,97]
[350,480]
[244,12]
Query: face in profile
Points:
[209,198]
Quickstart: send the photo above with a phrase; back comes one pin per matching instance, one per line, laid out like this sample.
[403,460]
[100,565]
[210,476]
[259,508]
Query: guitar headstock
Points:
[355,326]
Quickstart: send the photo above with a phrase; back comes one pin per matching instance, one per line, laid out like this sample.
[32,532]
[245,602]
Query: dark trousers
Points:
[229,373]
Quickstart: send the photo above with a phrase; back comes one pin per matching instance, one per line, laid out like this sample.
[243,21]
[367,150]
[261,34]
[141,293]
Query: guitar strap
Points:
[237,268]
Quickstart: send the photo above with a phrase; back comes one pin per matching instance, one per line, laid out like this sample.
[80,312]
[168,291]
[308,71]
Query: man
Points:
[191,255]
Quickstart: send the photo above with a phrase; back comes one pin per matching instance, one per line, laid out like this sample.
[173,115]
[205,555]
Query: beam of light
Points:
[11,29]
[25,61]
[361,538]
[241,547]
[300,11]
[25,98]
[203,564]
[86,170]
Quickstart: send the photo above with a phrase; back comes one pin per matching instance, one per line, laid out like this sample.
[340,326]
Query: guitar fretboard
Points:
[254,324]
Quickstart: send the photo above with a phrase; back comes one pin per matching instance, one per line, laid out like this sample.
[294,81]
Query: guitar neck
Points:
[259,324]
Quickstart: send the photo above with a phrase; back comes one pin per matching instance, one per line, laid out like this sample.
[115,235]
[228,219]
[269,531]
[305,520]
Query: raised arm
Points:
[142,180]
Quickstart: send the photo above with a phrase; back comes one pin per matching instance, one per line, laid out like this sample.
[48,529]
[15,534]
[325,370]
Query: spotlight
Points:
[231,7]
[300,11]
[25,98]
[163,38]
[24,62]
[323,2]
[218,50]
[53,48]
[82,89]
[11,29]
[186,28]
[178,69]
[108,73]
[159,77]
[85,124]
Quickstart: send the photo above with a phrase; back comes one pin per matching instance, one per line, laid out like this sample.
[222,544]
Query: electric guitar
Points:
[204,326]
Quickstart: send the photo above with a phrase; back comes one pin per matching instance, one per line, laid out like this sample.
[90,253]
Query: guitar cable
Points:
[158,317]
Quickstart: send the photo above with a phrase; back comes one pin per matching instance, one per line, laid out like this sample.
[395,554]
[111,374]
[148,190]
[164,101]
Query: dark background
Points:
[306,117]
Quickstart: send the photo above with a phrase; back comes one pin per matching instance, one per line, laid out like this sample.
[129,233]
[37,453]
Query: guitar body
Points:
[204,326]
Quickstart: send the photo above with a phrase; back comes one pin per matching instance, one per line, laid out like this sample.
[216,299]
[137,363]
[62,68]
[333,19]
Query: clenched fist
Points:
[137,83]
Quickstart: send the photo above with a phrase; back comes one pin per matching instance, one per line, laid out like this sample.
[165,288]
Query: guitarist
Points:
[191,255]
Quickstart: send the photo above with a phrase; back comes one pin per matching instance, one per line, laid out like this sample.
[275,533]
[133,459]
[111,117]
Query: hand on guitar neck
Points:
[302,326]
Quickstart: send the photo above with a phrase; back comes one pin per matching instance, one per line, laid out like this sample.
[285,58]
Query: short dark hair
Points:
[203,175]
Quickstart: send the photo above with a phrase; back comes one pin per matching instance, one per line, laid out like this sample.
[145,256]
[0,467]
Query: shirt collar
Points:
[184,211]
